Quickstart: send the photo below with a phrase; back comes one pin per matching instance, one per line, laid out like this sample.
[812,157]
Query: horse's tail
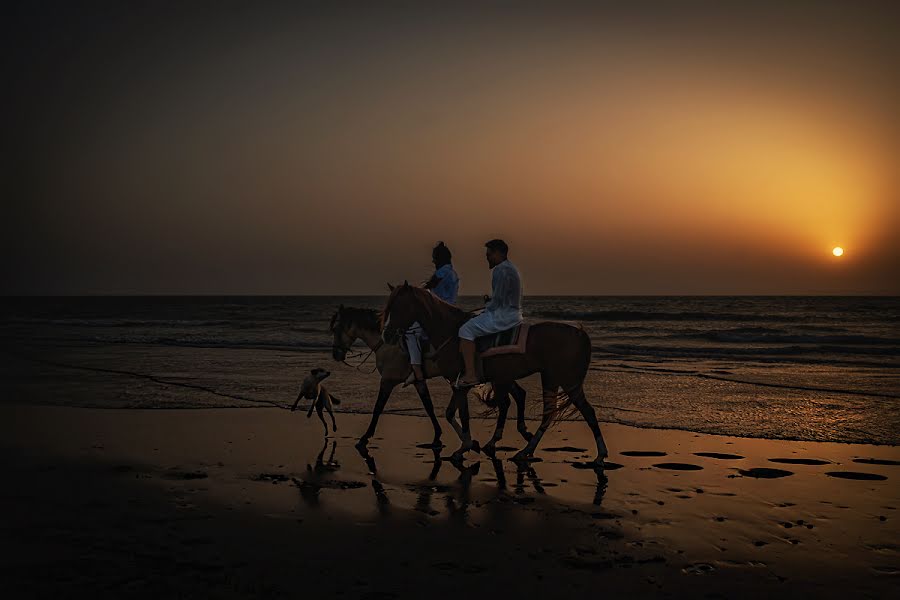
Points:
[586,350]
[561,407]
[489,399]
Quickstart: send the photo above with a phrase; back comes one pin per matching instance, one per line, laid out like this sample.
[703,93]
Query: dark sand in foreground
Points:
[251,503]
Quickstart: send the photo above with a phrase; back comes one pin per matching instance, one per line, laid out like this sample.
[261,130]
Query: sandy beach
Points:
[255,503]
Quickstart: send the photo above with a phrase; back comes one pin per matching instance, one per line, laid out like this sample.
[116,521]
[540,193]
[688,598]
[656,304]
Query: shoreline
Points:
[403,412]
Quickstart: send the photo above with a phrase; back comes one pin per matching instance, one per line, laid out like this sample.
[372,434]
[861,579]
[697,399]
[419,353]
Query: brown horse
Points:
[349,324]
[560,352]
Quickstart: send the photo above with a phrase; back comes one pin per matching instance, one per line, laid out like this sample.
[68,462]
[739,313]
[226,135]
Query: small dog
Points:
[312,389]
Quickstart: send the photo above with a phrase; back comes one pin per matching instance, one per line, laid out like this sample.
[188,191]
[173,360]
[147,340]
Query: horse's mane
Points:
[432,303]
[365,318]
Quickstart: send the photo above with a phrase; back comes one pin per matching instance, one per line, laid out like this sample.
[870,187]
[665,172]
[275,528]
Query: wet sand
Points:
[255,503]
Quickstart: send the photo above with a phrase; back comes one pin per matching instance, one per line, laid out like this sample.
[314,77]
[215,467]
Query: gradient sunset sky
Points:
[323,148]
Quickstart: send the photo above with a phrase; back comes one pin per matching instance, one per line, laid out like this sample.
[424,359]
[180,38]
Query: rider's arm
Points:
[432,283]
[497,290]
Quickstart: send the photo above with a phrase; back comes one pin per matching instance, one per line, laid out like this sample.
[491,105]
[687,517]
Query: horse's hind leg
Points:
[451,416]
[461,399]
[550,391]
[587,411]
[425,397]
[501,393]
[518,394]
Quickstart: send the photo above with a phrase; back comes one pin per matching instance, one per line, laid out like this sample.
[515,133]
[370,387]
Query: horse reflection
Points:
[382,502]
[458,504]
[602,483]
[499,473]
[523,471]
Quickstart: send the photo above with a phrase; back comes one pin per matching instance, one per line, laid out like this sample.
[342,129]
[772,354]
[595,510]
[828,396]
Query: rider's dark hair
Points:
[498,245]
[441,255]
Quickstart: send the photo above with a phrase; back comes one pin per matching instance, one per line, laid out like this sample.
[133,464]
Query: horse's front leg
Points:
[384,392]
[425,397]
[518,394]
[462,402]
[502,396]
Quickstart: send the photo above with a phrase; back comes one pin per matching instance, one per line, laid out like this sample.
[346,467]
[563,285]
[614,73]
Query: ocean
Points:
[805,368]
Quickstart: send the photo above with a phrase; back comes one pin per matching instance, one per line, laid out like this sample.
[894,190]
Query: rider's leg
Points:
[414,347]
[469,331]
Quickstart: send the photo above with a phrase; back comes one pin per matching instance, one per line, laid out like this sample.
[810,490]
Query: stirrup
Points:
[464,386]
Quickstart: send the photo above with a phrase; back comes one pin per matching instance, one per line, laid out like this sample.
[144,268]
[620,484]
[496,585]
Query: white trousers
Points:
[414,336]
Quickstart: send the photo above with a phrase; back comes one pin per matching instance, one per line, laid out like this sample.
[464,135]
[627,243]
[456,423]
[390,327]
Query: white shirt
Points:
[505,306]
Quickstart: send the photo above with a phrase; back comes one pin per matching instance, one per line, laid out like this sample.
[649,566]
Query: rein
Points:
[358,354]
[433,354]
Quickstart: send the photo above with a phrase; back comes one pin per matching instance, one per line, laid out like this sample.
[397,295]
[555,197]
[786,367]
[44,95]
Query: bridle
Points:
[346,349]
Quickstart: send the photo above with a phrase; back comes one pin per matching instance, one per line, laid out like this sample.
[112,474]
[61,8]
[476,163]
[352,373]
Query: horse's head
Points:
[400,312]
[343,330]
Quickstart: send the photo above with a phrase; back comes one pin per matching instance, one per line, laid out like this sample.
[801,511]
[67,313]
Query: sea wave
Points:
[636,315]
[719,352]
[762,335]
[217,342]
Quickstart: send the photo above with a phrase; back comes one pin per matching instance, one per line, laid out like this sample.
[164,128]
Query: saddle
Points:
[509,341]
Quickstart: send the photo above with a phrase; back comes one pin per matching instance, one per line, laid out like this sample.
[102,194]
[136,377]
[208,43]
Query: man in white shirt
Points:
[503,311]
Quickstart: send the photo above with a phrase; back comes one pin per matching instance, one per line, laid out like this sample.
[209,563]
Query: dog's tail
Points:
[334,399]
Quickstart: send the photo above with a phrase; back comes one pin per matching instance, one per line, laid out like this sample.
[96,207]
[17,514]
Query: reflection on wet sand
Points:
[319,476]
[382,502]
[602,484]
[523,471]
[456,496]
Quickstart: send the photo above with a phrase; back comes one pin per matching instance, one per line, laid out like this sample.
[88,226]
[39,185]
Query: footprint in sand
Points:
[877,461]
[764,473]
[799,461]
[719,455]
[678,466]
[856,476]
[185,475]
[607,466]
[642,453]
[698,569]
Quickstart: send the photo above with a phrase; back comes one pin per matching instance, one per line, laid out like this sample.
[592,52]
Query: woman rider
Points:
[444,284]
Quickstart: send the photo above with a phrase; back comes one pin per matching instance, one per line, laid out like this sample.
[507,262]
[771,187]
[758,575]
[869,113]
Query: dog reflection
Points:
[311,485]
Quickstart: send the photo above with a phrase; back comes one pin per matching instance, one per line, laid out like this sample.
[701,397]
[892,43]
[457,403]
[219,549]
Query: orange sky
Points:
[626,151]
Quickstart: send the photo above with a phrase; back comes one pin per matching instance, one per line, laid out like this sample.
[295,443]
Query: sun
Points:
[837,251]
